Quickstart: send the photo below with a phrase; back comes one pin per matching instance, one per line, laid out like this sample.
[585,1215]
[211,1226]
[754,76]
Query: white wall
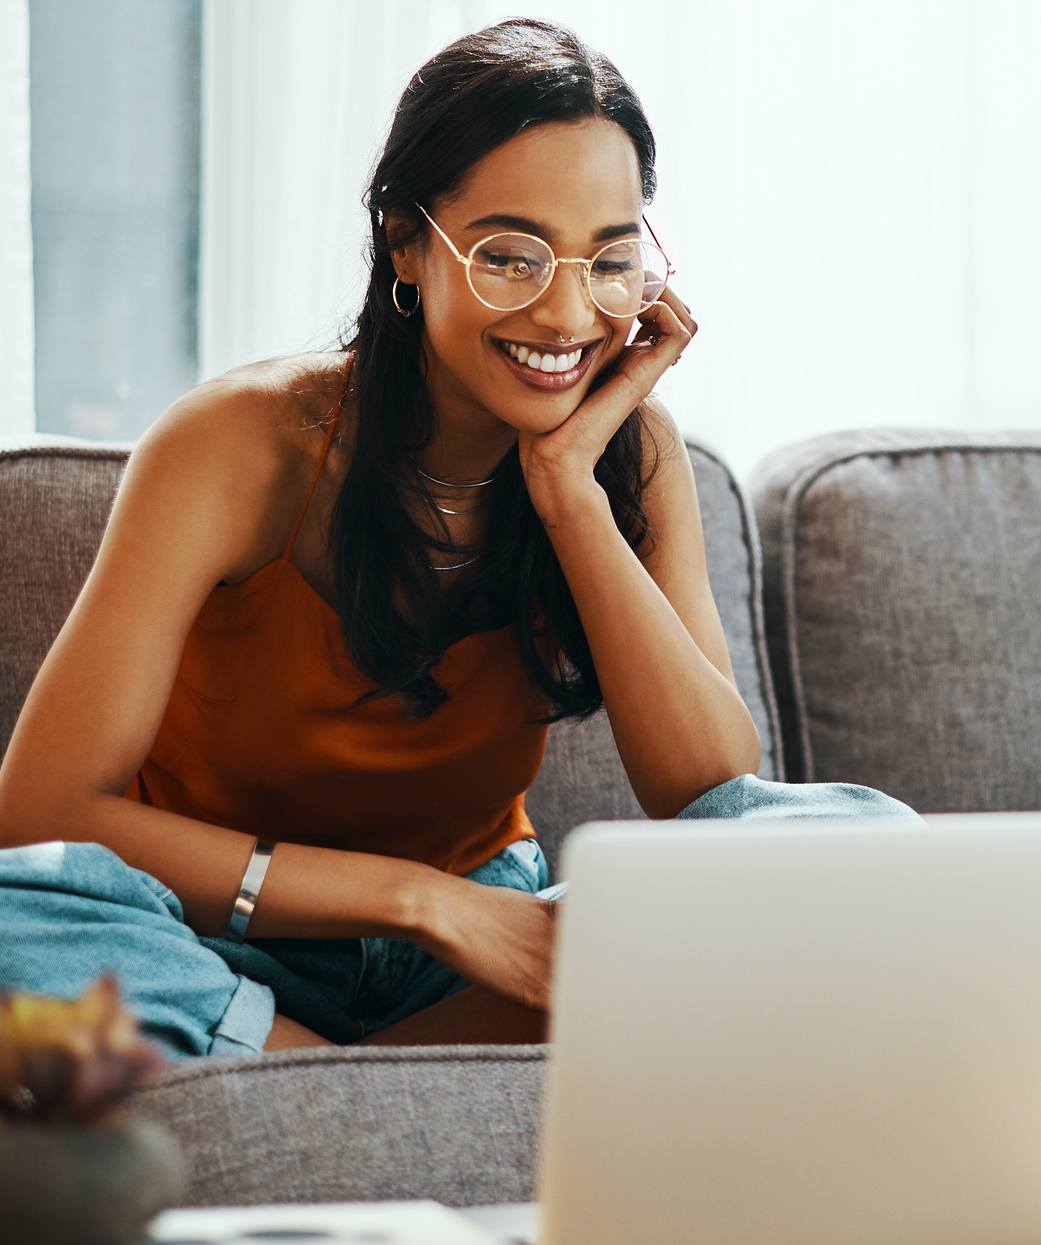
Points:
[16,249]
[850,190]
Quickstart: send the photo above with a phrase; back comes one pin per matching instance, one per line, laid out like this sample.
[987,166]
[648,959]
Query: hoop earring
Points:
[404,311]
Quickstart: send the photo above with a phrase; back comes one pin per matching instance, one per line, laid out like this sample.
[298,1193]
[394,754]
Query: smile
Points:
[546,369]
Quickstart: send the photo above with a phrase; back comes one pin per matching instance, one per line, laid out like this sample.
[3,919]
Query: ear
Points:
[403,257]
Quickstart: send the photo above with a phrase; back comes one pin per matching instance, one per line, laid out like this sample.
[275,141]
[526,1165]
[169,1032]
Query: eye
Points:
[606,268]
[517,267]
[509,258]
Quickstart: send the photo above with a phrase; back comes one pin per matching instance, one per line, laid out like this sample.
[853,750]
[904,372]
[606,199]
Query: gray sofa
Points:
[896,644]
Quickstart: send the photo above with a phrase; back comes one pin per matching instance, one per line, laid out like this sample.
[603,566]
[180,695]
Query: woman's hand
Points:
[493,936]
[567,455]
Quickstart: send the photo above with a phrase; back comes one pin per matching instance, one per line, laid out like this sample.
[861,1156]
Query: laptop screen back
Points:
[820,1035]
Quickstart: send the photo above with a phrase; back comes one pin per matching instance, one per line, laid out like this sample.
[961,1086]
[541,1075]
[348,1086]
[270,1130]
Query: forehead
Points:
[576,176]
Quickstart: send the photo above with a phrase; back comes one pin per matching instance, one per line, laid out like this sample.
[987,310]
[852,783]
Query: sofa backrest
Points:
[902,573]
[55,496]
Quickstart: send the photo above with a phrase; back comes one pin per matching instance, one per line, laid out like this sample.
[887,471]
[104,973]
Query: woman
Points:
[340,595]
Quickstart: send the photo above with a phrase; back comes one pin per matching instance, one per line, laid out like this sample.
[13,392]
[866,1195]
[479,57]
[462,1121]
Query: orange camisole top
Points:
[263,733]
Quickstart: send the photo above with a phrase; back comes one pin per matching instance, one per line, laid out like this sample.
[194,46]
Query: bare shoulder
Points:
[657,417]
[209,496]
[666,461]
[254,419]
[237,451]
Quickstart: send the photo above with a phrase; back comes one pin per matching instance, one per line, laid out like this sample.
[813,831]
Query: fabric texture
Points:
[55,499]
[72,911]
[749,797]
[455,1123]
[902,572]
[458,1124]
[264,732]
[54,502]
[345,989]
[582,778]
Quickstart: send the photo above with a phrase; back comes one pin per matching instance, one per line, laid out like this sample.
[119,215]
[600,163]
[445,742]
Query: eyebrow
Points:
[523,225]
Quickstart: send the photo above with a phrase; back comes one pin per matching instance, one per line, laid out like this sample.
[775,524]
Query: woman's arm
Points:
[652,626]
[202,500]
[210,494]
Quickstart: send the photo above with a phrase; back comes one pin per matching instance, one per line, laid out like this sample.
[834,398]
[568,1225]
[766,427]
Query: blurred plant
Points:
[72,1062]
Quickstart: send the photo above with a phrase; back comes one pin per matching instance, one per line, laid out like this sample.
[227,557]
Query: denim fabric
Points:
[348,988]
[748,796]
[71,911]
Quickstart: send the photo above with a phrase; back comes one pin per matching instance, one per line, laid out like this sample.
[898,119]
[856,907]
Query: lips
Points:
[553,381]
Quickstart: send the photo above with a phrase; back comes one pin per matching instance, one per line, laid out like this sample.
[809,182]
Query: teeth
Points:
[544,362]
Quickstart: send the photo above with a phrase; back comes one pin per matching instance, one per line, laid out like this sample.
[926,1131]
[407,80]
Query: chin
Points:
[538,418]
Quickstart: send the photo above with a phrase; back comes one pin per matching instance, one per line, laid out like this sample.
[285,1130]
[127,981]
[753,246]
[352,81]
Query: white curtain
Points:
[850,191]
[296,94]
[17,414]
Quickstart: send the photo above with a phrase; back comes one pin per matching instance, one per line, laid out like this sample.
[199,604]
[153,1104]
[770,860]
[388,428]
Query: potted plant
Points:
[73,1170]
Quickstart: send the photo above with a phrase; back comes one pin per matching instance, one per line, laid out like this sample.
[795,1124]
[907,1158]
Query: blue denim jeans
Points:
[751,797]
[71,911]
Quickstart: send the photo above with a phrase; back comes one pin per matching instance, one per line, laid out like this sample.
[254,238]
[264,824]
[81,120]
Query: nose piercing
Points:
[565,340]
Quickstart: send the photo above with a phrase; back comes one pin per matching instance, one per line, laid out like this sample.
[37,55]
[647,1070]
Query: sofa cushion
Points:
[455,1123]
[582,778]
[902,573]
[55,497]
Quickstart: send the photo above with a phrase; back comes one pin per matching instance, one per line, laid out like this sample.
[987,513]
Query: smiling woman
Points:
[293,714]
[566,170]
[509,271]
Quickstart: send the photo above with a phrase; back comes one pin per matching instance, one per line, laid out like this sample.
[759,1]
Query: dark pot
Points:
[62,1184]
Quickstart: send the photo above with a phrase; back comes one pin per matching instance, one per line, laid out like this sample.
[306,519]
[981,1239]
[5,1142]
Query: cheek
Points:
[619,333]
[453,316]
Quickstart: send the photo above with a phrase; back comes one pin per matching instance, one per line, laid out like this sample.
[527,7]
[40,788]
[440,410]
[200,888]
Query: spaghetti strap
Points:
[321,463]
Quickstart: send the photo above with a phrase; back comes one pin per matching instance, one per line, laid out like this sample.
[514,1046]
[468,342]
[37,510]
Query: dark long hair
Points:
[463,103]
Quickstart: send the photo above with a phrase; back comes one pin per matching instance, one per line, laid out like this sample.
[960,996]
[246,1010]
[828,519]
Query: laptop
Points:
[798,1033]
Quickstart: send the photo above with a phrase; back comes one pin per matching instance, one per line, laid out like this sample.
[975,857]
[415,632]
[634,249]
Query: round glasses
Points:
[509,271]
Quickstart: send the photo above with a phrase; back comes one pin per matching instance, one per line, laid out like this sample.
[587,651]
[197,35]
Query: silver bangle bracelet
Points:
[246,901]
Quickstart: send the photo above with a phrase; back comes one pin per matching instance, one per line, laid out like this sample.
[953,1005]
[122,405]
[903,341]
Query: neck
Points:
[469,442]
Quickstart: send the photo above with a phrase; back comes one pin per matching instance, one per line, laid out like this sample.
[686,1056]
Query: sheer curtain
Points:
[849,190]
[16,248]
[296,94]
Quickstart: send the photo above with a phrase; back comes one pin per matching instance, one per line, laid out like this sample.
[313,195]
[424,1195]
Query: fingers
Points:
[665,331]
[680,308]
[668,322]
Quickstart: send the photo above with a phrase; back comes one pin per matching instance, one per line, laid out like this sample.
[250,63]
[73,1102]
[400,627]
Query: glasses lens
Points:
[510,270]
[626,277]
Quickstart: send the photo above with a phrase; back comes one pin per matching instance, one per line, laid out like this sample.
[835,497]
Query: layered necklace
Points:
[457,484]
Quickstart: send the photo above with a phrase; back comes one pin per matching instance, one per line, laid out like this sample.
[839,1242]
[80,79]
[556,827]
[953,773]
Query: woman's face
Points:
[576,185]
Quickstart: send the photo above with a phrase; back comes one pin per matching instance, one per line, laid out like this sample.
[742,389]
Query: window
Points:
[115,210]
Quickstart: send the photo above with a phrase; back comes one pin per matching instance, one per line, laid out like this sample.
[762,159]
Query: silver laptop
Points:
[798,1033]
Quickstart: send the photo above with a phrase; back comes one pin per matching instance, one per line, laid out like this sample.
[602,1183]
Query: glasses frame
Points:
[587,265]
